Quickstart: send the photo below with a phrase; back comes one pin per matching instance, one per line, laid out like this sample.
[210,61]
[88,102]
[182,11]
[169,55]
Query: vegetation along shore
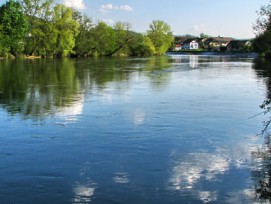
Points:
[42,28]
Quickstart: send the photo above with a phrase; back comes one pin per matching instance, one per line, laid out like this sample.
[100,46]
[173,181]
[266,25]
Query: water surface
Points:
[171,129]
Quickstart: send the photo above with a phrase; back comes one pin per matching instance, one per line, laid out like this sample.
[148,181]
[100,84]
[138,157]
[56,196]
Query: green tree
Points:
[263,22]
[102,39]
[262,28]
[141,45]
[123,35]
[13,27]
[41,36]
[82,41]
[67,29]
[203,35]
[161,36]
[3,48]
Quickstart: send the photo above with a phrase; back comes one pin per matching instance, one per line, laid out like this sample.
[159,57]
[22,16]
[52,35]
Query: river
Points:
[169,129]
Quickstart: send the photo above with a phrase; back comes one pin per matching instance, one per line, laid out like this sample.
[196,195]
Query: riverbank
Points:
[215,53]
[187,52]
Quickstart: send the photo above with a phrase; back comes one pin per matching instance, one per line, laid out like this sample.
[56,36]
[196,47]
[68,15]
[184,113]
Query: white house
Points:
[190,44]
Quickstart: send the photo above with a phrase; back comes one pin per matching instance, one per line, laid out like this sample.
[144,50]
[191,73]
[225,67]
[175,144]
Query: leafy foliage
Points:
[262,43]
[160,35]
[141,45]
[13,27]
[102,39]
[43,28]
[67,29]
[82,41]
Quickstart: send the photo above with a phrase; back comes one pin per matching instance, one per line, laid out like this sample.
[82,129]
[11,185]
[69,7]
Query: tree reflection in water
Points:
[261,172]
[41,88]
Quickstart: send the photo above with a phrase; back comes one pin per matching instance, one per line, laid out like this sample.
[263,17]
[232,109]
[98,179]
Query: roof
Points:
[180,39]
[222,39]
[235,43]
[189,40]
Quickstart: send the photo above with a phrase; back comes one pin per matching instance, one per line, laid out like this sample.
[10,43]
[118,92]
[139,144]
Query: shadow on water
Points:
[40,88]
[261,158]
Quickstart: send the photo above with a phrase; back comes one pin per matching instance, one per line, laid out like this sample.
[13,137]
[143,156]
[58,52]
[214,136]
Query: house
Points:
[190,44]
[206,43]
[177,47]
[239,45]
[218,43]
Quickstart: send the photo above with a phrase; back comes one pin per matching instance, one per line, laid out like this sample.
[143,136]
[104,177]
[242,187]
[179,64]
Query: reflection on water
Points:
[261,158]
[194,61]
[121,178]
[190,172]
[71,112]
[207,196]
[170,129]
[261,172]
[83,194]
[199,166]
[39,88]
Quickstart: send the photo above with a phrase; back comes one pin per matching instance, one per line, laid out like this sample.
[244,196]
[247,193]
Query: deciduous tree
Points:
[141,45]
[102,39]
[160,35]
[67,29]
[262,28]
[41,35]
[13,27]
[82,41]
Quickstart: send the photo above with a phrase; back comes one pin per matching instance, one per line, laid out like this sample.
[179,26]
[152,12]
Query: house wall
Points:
[191,46]
[194,45]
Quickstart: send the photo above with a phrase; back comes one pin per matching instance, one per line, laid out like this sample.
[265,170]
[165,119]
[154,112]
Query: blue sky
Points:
[232,18]
[214,17]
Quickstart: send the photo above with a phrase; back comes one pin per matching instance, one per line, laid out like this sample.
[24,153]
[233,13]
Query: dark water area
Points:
[170,129]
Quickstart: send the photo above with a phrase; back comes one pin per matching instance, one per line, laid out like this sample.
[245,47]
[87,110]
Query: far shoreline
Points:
[215,53]
[186,52]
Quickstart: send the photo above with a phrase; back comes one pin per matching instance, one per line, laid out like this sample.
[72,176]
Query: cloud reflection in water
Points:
[200,165]
[70,113]
[207,196]
[197,167]
[83,193]
[121,178]
[139,116]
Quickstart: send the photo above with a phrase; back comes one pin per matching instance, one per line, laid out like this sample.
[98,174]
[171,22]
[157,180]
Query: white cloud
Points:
[110,7]
[108,22]
[77,4]
[126,8]
[107,7]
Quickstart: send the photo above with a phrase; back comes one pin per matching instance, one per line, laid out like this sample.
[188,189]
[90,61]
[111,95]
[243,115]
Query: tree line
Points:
[43,28]
[262,28]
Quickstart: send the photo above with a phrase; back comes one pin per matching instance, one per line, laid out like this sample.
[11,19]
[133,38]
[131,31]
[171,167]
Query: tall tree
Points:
[3,49]
[41,34]
[262,28]
[123,36]
[67,29]
[13,26]
[82,42]
[141,45]
[160,35]
[263,22]
[102,39]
